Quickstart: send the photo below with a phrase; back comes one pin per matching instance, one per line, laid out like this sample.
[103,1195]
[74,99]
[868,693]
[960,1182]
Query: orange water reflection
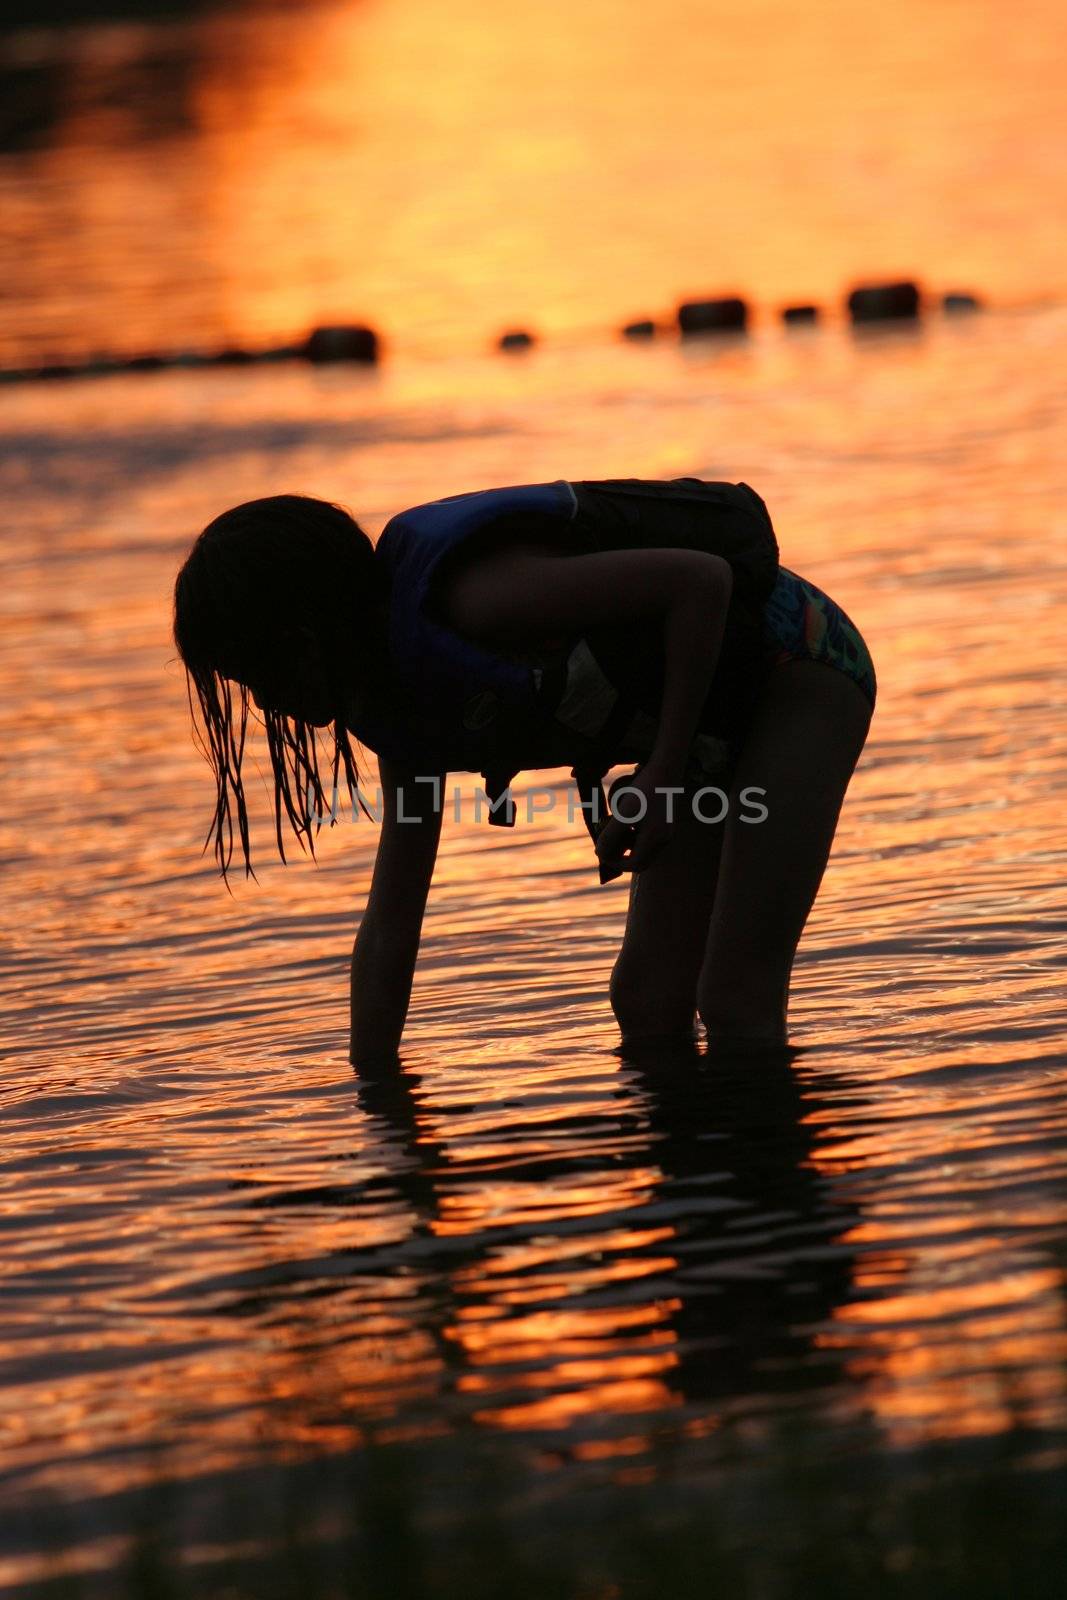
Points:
[445,171]
[520,1235]
[217,1246]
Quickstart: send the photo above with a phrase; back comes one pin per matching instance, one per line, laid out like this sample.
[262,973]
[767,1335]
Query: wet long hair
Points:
[259,577]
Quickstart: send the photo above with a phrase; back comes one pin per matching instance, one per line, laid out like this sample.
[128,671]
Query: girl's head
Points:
[279,600]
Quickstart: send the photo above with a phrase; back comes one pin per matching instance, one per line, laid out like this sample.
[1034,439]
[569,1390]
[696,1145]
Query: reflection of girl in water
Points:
[550,625]
[709,1212]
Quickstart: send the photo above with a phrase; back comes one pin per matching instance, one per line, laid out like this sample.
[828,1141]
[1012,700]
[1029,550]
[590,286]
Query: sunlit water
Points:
[219,1245]
[448,169]
[221,1249]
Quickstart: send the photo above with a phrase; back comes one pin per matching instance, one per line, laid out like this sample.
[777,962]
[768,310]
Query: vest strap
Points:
[589,782]
[498,781]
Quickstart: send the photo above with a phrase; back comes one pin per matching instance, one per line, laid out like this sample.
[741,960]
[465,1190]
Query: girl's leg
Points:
[806,736]
[654,982]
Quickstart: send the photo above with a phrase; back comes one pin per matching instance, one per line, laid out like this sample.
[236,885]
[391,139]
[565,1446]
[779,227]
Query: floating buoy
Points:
[958,300]
[515,339]
[353,342]
[643,328]
[341,343]
[729,315]
[882,302]
[797,316]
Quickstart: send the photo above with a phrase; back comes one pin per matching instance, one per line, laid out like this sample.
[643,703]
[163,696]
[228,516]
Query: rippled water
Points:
[221,1248]
[224,1254]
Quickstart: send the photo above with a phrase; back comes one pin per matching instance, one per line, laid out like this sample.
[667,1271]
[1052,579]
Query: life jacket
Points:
[453,705]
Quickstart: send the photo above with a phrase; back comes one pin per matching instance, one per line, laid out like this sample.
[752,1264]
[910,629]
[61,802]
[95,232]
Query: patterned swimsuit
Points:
[800,622]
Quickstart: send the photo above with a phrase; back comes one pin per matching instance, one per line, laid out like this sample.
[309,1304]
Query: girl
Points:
[548,625]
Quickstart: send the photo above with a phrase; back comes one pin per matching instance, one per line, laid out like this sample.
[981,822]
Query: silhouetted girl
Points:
[575,625]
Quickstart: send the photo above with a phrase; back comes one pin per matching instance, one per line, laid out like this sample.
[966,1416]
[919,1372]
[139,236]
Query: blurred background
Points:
[635,1328]
[236,172]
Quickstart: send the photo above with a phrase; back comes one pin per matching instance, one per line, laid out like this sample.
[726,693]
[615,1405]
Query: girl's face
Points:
[309,708]
[293,682]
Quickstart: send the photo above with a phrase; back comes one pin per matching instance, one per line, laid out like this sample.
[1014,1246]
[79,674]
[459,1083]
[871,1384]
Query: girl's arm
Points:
[387,944]
[520,592]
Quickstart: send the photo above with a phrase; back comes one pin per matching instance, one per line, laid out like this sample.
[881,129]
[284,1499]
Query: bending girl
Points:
[577,624]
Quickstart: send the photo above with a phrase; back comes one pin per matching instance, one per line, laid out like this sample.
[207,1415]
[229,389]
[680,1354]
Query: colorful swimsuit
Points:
[800,622]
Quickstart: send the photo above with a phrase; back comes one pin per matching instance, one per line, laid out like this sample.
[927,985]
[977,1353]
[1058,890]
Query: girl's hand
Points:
[629,846]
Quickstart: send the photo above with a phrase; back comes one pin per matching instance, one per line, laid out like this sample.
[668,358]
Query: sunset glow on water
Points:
[222,1250]
[443,171]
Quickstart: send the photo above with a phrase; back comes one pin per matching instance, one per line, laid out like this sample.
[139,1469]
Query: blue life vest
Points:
[456,706]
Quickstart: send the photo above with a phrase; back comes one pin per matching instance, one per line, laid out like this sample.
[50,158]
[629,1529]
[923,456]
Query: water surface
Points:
[225,1255]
